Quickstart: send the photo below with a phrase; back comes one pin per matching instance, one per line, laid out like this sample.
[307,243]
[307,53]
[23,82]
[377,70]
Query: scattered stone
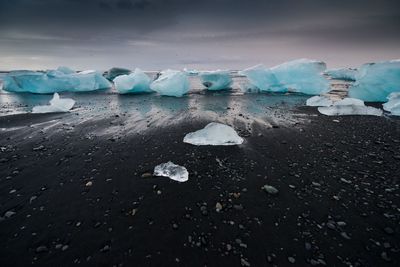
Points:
[218,207]
[41,249]
[291,260]
[270,189]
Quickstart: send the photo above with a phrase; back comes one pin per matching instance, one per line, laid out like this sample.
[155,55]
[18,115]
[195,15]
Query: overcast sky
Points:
[203,34]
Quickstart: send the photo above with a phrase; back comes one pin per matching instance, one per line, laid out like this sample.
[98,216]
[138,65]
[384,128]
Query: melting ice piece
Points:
[350,110]
[136,82]
[302,76]
[171,83]
[54,81]
[349,101]
[393,105]
[115,72]
[215,134]
[346,74]
[319,101]
[216,80]
[173,171]
[375,81]
[56,105]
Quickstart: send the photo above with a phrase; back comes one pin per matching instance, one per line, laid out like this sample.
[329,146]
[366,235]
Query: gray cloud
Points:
[224,33]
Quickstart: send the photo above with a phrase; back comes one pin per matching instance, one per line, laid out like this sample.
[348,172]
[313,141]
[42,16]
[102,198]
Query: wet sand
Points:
[80,189]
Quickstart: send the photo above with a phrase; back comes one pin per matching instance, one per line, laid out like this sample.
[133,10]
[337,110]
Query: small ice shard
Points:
[216,80]
[172,171]
[56,105]
[270,189]
[346,74]
[54,81]
[171,83]
[319,101]
[340,110]
[136,82]
[393,104]
[349,101]
[115,72]
[375,81]
[215,134]
[302,76]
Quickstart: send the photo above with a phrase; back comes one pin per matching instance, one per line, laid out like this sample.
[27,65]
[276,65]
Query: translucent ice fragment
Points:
[215,134]
[172,171]
[57,104]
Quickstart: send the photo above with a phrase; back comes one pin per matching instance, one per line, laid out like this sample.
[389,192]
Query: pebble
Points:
[270,189]
[41,249]
[291,260]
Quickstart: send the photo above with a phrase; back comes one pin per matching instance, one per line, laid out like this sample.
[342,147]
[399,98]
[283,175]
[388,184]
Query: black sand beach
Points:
[71,197]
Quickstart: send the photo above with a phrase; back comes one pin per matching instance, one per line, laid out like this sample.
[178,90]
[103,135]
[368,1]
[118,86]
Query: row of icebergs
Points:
[373,82]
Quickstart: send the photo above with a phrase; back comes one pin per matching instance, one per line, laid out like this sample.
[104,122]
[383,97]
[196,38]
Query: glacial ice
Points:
[302,76]
[339,110]
[171,83]
[349,101]
[65,70]
[172,171]
[346,74]
[54,81]
[57,104]
[115,72]
[136,82]
[215,134]
[319,101]
[393,104]
[375,81]
[191,72]
[216,80]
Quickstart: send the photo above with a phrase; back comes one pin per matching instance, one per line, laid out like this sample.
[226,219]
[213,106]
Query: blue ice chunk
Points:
[54,81]
[346,74]
[302,76]
[216,80]
[375,81]
[171,83]
[262,78]
[115,72]
[65,70]
[136,82]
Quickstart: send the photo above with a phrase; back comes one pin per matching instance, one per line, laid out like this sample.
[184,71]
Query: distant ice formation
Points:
[172,171]
[61,80]
[216,80]
[57,104]
[349,106]
[215,134]
[393,104]
[115,72]
[171,83]
[136,82]
[302,76]
[191,72]
[346,74]
[319,101]
[375,81]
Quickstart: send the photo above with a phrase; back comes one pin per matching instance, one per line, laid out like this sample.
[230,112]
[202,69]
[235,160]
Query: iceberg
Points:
[319,101]
[191,72]
[393,105]
[54,81]
[115,72]
[216,80]
[215,134]
[339,110]
[136,82]
[302,76]
[346,74]
[172,171]
[65,70]
[56,105]
[349,101]
[171,83]
[375,81]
